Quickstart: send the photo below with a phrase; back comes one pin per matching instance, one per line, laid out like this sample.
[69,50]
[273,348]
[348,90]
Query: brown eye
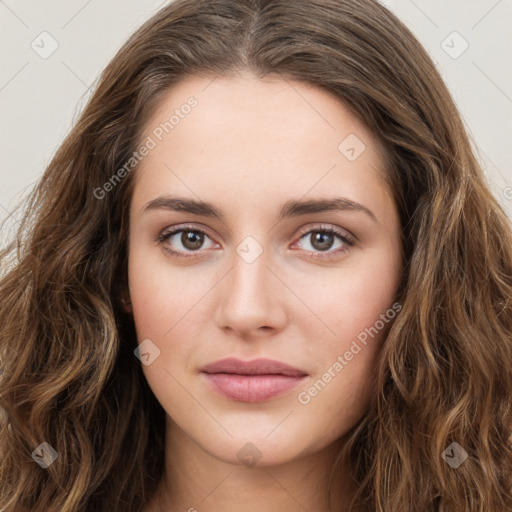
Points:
[184,242]
[322,241]
[192,240]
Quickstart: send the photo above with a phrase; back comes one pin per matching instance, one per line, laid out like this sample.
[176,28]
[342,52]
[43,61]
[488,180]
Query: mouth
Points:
[252,381]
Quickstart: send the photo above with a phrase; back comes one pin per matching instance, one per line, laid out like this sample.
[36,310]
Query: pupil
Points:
[191,240]
[322,241]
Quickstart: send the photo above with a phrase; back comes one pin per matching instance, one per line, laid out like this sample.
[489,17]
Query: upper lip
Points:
[253,367]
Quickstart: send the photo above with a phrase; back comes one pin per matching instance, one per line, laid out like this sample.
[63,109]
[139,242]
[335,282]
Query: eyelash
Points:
[348,241]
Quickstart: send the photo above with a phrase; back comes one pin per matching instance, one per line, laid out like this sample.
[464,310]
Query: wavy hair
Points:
[69,376]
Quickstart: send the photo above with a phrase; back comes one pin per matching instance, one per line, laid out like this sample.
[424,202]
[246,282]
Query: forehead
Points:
[249,134]
[256,105]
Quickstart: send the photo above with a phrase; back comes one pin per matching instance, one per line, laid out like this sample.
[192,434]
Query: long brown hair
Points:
[69,376]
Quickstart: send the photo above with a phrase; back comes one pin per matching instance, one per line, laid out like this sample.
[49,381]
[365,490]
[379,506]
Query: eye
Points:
[190,239]
[322,239]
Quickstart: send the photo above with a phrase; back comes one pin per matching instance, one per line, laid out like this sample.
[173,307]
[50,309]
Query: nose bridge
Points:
[248,298]
[250,273]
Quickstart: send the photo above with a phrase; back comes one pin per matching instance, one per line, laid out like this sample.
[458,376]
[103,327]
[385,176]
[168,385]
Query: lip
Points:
[252,381]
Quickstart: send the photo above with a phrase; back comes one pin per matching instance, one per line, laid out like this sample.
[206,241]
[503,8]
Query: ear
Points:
[126,303]
[121,291]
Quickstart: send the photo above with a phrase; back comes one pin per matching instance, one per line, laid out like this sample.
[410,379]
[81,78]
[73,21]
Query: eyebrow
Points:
[292,208]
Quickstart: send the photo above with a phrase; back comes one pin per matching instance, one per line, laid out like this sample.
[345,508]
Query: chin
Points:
[257,450]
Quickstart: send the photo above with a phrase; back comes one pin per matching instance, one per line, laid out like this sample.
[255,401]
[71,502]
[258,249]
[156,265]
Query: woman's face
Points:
[261,227]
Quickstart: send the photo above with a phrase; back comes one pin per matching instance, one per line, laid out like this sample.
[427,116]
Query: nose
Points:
[251,298]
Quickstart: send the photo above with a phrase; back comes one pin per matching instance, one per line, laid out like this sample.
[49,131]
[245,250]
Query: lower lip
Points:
[252,388]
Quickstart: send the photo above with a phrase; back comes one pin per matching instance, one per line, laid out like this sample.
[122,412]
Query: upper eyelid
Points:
[177,229]
[339,231]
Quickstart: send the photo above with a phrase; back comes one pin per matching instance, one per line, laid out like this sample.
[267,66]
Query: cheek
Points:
[336,400]
[341,387]
[161,298]
[351,300]
[358,307]
[168,309]
[160,295]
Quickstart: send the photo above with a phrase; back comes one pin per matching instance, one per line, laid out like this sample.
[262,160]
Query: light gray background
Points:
[41,97]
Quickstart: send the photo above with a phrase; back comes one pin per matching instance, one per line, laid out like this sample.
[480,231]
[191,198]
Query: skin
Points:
[249,146]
